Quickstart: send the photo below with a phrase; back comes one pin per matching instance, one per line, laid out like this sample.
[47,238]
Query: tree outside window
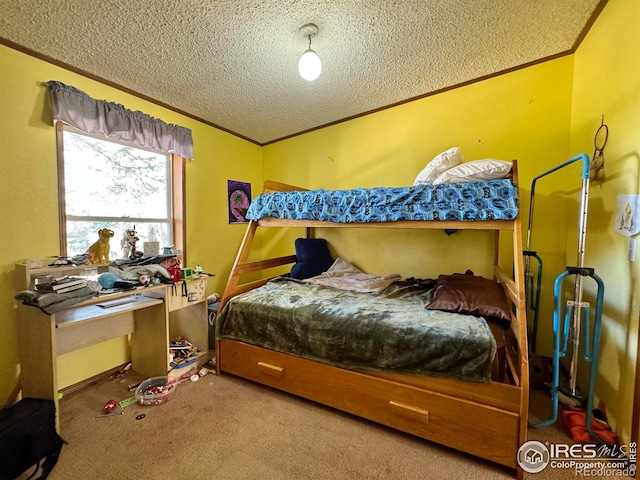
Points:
[107,184]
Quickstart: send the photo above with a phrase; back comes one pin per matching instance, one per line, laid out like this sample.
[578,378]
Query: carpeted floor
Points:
[227,428]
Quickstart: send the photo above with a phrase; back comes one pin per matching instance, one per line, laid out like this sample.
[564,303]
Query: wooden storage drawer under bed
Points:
[465,425]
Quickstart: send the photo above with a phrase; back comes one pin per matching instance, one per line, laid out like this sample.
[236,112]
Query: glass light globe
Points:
[309,65]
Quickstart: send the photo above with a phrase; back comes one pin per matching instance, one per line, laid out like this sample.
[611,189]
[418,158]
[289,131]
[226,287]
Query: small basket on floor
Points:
[155,391]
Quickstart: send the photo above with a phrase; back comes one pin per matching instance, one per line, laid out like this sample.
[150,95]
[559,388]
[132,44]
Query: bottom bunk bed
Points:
[475,402]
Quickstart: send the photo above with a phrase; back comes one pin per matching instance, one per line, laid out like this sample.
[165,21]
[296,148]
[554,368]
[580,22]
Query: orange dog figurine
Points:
[99,251]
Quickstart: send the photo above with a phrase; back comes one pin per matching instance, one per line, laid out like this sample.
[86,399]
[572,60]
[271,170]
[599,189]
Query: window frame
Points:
[178,197]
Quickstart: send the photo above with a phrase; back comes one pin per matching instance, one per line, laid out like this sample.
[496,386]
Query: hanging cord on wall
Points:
[596,166]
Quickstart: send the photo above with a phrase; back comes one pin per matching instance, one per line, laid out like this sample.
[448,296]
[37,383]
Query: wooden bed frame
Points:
[486,420]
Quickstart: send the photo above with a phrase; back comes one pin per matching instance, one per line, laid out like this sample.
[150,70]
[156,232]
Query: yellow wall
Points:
[607,82]
[29,226]
[523,115]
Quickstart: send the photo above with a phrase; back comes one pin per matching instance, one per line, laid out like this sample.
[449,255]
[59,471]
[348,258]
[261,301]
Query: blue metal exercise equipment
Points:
[577,313]
[568,329]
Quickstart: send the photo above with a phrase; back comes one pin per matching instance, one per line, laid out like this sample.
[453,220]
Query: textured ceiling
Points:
[233,63]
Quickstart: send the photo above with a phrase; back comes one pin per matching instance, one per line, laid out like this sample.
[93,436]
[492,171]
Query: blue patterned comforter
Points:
[470,201]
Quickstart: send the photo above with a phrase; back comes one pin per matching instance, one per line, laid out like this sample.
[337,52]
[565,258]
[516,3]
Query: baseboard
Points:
[93,380]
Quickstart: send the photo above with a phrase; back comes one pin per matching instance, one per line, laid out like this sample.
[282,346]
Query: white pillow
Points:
[440,164]
[475,171]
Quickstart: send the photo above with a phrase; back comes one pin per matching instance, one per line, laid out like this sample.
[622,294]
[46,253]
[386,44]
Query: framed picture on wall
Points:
[238,200]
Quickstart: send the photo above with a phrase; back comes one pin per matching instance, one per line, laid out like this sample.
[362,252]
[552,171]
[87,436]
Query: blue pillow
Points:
[313,258]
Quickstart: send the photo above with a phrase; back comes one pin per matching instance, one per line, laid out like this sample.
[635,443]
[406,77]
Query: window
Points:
[104,183]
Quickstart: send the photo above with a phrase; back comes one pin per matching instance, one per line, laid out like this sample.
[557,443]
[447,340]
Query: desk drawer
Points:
[195,292]
[462,424]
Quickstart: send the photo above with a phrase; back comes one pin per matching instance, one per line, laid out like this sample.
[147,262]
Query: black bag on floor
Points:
[28,436]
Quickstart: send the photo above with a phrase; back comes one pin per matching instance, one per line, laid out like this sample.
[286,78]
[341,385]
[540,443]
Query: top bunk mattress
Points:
[468,201]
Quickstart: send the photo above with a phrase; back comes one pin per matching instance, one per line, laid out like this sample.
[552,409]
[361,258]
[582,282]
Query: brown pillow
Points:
[472,295]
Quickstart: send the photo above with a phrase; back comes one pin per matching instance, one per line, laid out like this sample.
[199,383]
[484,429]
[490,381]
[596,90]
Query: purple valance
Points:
[89,115]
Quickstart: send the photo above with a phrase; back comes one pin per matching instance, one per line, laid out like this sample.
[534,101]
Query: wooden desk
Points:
[154,316]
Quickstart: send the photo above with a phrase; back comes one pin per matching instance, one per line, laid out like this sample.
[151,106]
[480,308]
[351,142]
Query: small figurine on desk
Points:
[128,244]
[198,271]
[99,251]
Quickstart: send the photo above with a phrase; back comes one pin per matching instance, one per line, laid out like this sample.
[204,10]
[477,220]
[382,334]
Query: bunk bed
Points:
[487,419]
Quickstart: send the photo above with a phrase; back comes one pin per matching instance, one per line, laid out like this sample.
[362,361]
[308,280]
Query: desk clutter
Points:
[182,353]
[81,306]
[61,284]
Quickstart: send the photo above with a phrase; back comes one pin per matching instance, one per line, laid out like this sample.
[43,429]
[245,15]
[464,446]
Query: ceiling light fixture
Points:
[309,64]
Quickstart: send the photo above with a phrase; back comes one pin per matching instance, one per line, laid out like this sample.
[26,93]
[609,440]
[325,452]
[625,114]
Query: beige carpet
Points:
[228,428]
